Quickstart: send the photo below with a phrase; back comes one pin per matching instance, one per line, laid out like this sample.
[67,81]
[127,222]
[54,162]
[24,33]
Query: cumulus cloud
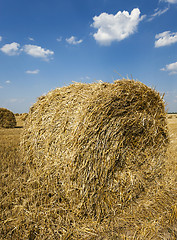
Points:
[31,39]
[116,27]
[158,12]
[32,50]
[85,78]
[13,100]
[166,38]
[8,82]
[32,72]
[72,40]
[11,49]
[37,51]
[169,1]
[170,68]
[59,39]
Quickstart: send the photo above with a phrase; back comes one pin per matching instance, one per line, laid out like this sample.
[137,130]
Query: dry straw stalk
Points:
[102,143]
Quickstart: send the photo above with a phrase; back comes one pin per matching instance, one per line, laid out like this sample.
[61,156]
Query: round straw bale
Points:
[23,116]
[106,141]
[7,118]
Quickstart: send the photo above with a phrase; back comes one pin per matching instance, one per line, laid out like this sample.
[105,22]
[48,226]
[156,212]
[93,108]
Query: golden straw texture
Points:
[7,118]
[103,143]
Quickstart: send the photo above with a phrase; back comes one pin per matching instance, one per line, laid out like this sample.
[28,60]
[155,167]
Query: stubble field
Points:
[153,218]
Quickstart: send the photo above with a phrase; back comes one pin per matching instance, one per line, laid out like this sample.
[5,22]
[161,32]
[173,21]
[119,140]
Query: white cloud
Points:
[1,87]
[59,39]
[31,39]
[72,40]
[165,38]
[37,51]
[11,49]
[32,50]
[0,38]
[169,1]
[32,72]
[171,68]
[8,82]
[13,100]
[158,12]
[116,27]
[85,78]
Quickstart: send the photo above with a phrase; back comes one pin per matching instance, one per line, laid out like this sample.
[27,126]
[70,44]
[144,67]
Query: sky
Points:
[45,44]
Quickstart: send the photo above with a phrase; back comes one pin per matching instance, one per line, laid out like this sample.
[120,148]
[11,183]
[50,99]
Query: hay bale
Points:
[106,142]
[23,116]
[7,118]
[170,116]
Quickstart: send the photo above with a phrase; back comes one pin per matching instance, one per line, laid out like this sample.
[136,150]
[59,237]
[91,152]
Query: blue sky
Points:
[46,44]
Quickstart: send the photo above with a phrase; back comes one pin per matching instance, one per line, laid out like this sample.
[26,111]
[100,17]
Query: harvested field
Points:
[35,204]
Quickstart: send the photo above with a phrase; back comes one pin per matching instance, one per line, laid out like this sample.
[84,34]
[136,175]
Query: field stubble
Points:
[37,213]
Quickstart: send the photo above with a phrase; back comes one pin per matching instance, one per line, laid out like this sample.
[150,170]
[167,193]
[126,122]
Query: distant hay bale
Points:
[170,116]
[106,142]
[23,116]
[7,118]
